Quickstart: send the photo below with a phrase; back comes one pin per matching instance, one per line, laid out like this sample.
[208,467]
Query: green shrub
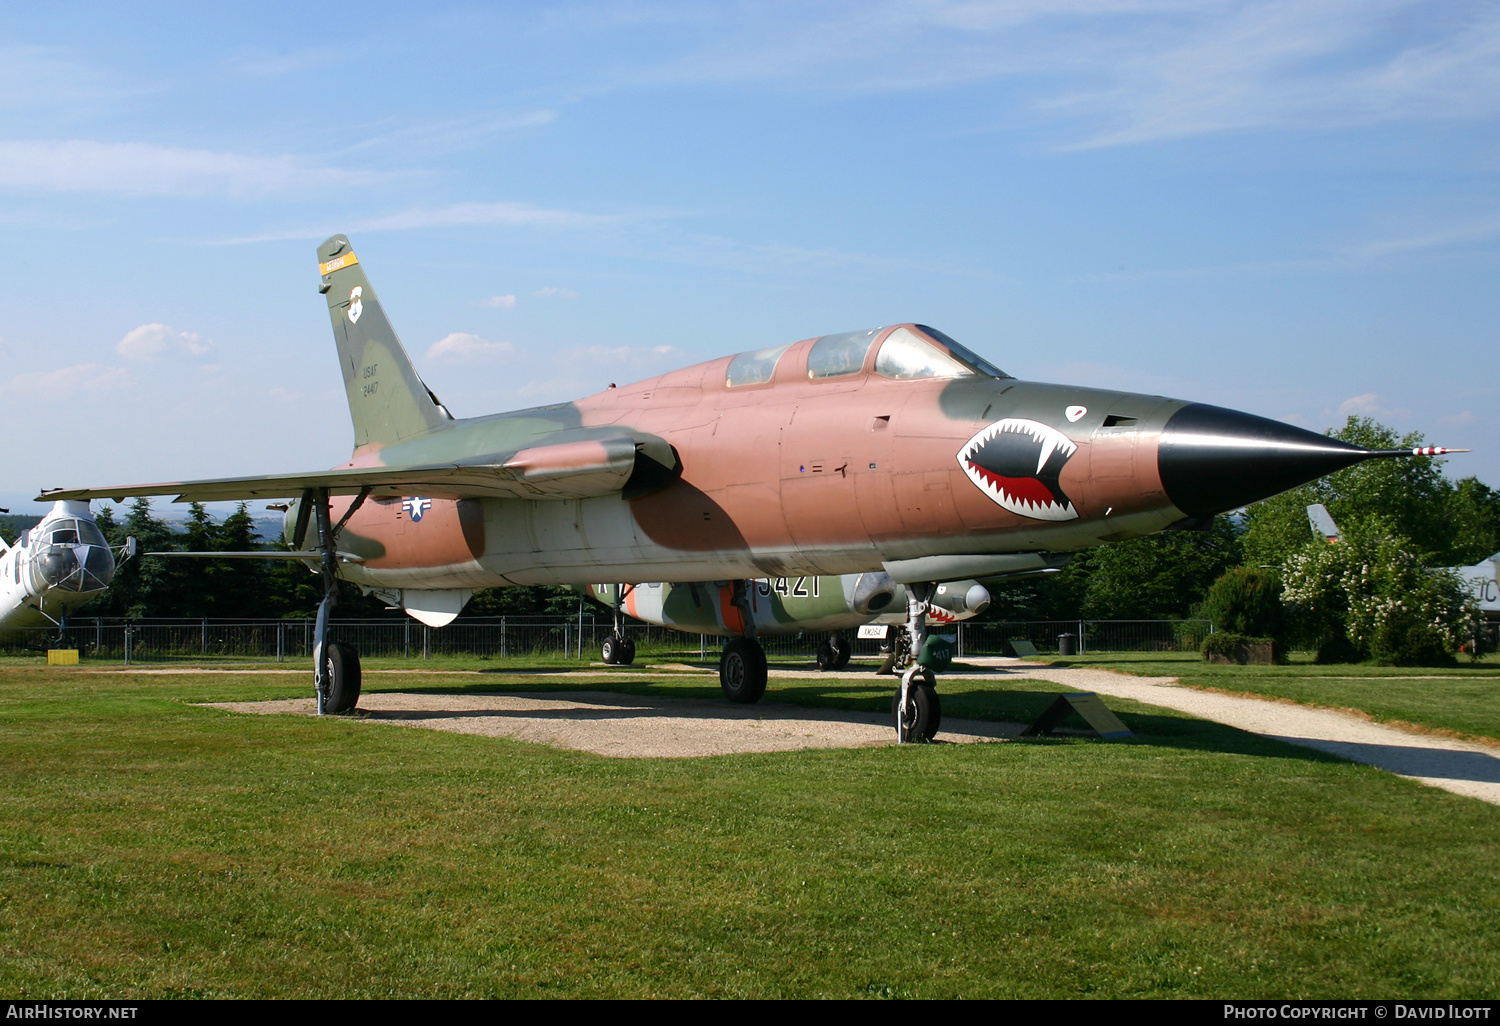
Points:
[1372,592]
[1247,600]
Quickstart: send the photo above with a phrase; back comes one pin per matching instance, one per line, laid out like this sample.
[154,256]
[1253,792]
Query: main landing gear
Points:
[742,667]
[915,709]
[618,650]
[336,674]
[834,653]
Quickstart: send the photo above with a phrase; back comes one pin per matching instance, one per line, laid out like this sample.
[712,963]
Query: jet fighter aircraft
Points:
[893,448]
[57,566]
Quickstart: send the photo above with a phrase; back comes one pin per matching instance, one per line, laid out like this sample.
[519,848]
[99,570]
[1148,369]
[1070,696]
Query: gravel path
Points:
[1458,766]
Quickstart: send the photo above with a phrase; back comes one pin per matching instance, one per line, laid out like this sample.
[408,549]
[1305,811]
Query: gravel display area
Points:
[636,727]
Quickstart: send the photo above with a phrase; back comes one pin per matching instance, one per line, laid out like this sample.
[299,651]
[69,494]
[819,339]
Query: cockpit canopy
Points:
[73,556]
[906,353]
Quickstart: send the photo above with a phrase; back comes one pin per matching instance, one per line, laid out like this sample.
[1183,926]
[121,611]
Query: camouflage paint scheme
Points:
[788,605]
[684,477]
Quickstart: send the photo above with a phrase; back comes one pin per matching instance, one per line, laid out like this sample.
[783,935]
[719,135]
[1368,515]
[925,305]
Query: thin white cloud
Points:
[508,214]
[553,292]
[48,77]
[455,133]
[462,347]
[1476,229]
[1370,405]
[499,302]
[66,381]
[141,169]
[504,214]
[1123,72]
[152,341]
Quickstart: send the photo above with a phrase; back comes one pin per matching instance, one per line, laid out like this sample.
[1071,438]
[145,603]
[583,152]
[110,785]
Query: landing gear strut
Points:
[618,650]
[916,709]
[742,667]
[336,674]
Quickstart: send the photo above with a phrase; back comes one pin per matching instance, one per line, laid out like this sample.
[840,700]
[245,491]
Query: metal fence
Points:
[148,640]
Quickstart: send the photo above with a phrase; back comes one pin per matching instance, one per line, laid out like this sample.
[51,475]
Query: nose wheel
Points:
[915,709]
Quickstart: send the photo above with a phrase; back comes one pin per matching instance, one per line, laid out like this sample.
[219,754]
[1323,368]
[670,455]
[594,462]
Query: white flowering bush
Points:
[1371,592]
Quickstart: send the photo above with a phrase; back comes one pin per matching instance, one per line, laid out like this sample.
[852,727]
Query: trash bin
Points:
[1067,644]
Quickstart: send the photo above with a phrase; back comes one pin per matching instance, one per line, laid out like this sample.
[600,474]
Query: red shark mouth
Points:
[1016,463]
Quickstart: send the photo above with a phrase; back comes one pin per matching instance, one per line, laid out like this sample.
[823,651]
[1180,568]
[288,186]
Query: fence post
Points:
[960,641]
[406,642]
[1082,644]
[426,633]
[503,652]
[127,644]
[567,650]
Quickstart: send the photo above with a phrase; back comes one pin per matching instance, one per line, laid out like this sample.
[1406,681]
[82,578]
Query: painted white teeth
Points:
[1050,441]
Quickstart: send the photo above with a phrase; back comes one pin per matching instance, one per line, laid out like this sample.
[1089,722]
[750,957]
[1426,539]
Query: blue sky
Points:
[1289,208]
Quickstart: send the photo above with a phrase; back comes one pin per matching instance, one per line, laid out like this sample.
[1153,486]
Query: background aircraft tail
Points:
[387,400]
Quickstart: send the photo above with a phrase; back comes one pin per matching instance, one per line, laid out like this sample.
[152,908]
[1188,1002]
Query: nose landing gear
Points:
[916,710]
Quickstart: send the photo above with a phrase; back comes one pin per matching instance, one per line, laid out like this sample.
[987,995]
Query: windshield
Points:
[905,355]
[74,532]
[969,359]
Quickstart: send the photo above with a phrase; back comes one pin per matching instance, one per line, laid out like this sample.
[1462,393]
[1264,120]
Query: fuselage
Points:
[794,475]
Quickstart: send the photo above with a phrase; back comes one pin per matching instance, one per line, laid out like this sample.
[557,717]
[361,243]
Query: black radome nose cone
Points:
[1213,460]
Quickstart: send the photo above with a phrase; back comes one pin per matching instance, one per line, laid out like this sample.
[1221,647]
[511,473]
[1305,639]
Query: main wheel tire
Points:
[843,651]
[828,656]
[923,714]
[611,651]
[627,652]
[742,671]
[343,679]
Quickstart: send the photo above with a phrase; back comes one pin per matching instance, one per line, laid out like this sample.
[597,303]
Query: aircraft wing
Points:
[566,470]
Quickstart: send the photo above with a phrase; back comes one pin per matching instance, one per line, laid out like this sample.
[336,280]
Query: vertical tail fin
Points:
[387,400]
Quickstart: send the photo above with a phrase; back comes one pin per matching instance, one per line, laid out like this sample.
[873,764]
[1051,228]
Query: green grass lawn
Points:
[152,848]
[1462,699]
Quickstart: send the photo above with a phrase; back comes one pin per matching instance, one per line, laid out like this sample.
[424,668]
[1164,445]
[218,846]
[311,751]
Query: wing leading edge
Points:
[566,470]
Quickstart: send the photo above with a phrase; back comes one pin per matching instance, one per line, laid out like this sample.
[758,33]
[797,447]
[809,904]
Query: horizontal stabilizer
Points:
[566,470]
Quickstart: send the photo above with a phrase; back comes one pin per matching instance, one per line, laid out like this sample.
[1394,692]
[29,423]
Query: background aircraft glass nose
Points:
[1213,460]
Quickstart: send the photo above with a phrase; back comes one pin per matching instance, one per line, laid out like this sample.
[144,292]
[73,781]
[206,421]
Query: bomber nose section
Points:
[1213,460]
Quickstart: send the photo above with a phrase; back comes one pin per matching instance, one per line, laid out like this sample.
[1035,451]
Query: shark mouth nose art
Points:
[1016,463]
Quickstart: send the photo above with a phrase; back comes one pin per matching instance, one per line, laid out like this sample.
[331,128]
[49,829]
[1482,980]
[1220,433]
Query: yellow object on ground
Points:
[62,657]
